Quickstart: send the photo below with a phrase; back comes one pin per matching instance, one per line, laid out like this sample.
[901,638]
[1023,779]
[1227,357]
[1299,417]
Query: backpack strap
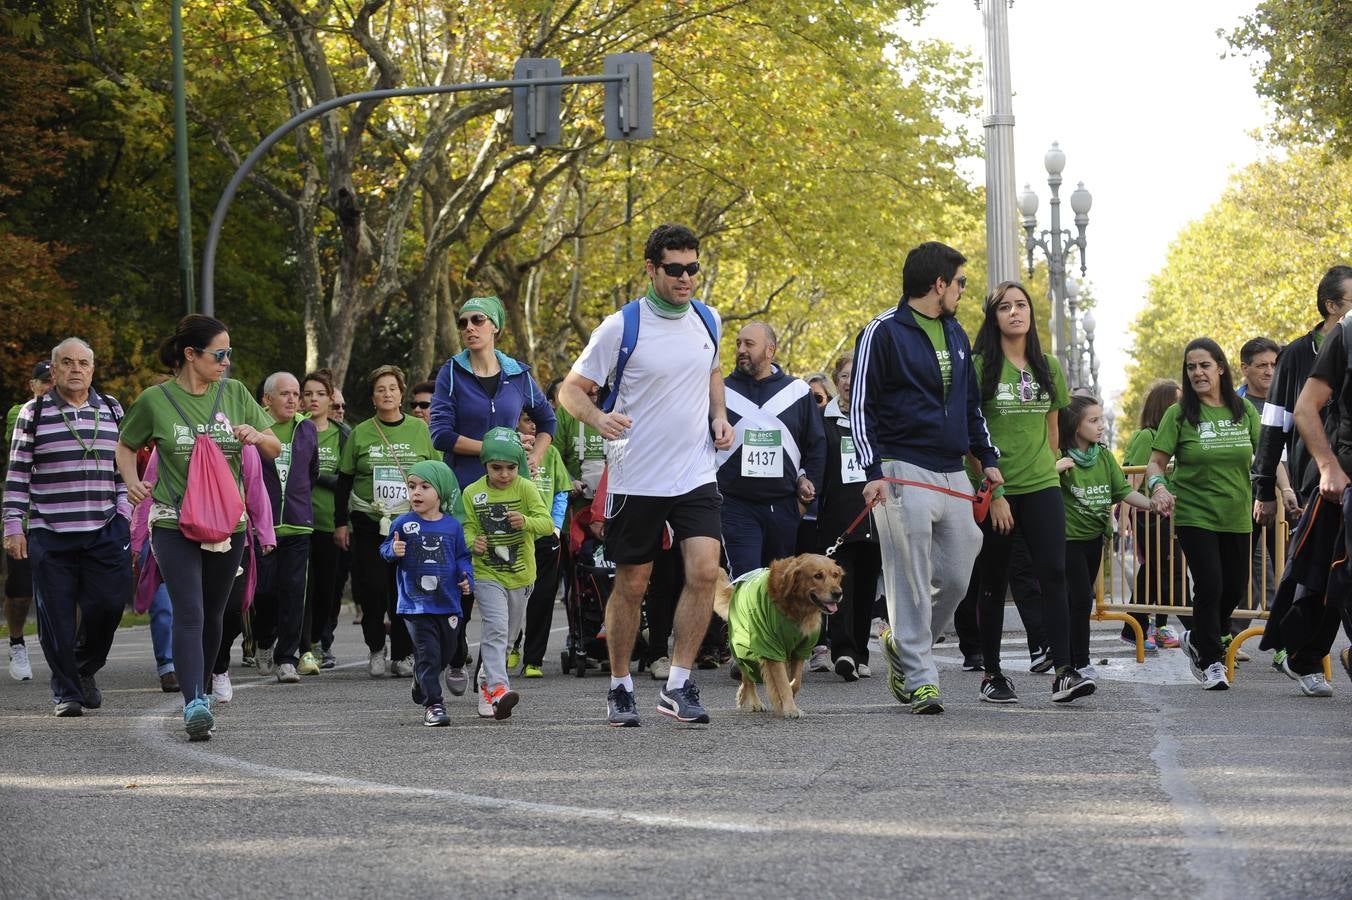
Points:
[37,415]
[629,314]
[215,408]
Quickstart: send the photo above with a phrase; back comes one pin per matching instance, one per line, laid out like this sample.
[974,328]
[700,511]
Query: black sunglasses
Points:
[421,404]
[221,355]
[676,270]
[476,320]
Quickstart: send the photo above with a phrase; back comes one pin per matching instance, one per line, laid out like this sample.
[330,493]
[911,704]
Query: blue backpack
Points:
[629,338]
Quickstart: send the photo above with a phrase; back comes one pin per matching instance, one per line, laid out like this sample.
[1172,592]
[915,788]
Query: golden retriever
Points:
[799,589]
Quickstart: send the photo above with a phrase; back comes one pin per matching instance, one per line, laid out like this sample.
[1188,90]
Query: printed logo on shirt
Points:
[481,497]
[1007,400]
[412,527]
[380,451]
[1225,435]
[183,436]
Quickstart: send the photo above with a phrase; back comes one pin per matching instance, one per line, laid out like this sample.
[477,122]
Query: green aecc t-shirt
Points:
[1089,496]
[1210,481]
[378,456]
[934,330]
[1018,427]
[153,419]
[1138,448]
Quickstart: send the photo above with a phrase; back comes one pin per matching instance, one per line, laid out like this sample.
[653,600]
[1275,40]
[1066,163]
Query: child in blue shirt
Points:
[433,571]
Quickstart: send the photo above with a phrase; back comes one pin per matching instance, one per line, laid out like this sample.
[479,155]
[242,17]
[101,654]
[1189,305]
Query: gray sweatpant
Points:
[929,543]
[501,613]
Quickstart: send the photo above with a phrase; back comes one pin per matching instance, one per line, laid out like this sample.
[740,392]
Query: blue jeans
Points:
[162,630]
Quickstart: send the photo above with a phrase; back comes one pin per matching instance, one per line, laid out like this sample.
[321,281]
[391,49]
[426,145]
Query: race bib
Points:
[763,454]
[850,472]
[283,463]
[389,491]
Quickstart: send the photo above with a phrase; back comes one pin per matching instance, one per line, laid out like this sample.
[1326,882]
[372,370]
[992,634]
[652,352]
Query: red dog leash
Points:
[981,504]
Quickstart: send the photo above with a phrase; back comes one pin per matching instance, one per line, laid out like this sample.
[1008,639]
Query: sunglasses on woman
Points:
[220,355]
[477,320]
[421,404]
[676,270]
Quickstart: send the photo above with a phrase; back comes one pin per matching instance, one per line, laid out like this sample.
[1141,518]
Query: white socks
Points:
[627,681]
[677,677]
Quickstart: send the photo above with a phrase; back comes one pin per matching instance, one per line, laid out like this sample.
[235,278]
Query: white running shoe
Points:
[820,660]
[862,671]
[1315,685]
[287,674]
[221,689]
[485,703]
[402,668]
[1213,679]
[1089,672]
[377,664]
[20,669]
[660,668]
[265,663]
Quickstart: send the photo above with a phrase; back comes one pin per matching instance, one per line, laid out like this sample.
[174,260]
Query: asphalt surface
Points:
[333,788]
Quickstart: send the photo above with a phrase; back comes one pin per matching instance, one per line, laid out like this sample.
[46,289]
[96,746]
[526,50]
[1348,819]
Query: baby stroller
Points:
[590,581]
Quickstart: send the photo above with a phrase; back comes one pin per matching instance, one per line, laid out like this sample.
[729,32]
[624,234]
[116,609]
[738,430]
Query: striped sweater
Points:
[62,476]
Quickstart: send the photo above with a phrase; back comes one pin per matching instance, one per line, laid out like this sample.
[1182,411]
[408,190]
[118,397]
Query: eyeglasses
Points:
[421,404]
[1025,386]
[220,355]
[476,320]
[676,270]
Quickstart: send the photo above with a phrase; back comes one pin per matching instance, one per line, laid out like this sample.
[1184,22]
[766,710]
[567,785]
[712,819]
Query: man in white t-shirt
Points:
[668,418]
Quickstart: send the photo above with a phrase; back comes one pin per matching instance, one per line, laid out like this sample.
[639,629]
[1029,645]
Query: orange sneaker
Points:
[502,700]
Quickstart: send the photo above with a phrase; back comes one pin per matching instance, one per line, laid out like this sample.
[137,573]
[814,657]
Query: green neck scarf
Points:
[1085,459]
[664,309]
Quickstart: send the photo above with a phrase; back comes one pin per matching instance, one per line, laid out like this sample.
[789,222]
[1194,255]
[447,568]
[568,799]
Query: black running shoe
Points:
[998,689]
[845,669]
[1041,661]
[93,697]
[1194,662]
[972,662]
[1071,685]
[621,709]
[682,704]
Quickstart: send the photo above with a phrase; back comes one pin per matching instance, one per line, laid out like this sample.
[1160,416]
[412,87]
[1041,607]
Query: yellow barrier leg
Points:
[1101,616]
[1328,670]
[1235,643]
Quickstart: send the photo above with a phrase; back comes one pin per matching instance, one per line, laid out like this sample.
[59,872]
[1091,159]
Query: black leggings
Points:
[374,590]
[862,562]
[540,607]
[1219,564]
[199,583]
[1041,518]
[320,590]
[1083,559]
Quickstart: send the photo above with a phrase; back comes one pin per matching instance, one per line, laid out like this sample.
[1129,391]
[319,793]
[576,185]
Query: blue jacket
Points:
[897,407]
[802,420]
[461,407]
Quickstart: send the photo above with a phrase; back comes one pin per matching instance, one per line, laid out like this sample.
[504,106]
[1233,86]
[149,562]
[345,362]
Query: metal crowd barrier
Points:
[1144,558]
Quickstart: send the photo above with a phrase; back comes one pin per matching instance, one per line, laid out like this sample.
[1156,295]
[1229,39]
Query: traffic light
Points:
[629,103]
[535,110]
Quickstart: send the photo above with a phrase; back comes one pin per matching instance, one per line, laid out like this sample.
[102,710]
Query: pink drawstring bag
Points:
[211,507]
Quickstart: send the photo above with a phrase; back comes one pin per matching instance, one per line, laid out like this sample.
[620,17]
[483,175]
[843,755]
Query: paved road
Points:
[334,789]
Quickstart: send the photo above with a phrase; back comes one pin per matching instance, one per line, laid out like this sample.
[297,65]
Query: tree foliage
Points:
[1249,267]
[1302,53]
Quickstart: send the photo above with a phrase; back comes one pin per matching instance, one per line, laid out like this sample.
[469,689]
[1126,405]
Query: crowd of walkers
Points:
[940,473]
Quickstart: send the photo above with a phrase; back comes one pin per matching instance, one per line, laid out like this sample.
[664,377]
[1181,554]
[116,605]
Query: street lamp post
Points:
[1088,322]
[1056,245]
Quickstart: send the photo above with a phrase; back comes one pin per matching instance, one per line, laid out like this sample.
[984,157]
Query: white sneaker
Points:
[377,664]
[862,671]
[221,689]
[485,703]
[1213,679]
[660,668]
[1089,672]
[820,660]
[287,674]
[265,664]
[1315,685]
[402,668]
[20,669]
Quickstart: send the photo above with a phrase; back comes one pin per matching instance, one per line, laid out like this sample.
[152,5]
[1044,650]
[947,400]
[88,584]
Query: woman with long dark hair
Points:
[199,399]
[1022,392]
[1211,434]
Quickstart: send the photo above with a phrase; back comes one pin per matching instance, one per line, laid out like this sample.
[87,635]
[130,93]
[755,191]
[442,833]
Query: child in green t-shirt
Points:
[1092,483]
[502,514]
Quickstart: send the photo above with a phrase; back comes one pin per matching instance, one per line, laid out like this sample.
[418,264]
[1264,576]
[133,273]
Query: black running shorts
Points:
[634,524]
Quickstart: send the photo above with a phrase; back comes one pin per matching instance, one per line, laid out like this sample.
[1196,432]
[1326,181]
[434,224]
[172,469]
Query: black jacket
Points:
[801,419]
[1278,433]
[839,503]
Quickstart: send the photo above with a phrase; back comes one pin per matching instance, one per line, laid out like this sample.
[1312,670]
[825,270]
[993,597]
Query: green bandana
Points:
[663,308]
[439,475]
[1085,459]
[503,445]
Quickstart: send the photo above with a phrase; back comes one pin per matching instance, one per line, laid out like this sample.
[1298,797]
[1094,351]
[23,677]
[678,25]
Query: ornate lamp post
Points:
[1056,245]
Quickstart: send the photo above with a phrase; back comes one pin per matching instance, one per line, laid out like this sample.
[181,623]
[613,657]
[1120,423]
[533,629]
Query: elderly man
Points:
[63,480]
[290,478]
[18,575]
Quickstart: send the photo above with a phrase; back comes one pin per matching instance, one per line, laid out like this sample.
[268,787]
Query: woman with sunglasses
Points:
[481,388]
[199,576]
[1022,392]
[372,491]
[421,404]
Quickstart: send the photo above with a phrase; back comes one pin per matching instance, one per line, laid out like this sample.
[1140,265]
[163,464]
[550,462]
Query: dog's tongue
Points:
[830,607]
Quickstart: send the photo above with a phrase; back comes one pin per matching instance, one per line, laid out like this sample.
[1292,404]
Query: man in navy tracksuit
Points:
[777,458]
[915,414]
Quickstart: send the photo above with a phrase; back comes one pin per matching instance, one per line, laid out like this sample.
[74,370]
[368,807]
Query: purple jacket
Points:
[295,508]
